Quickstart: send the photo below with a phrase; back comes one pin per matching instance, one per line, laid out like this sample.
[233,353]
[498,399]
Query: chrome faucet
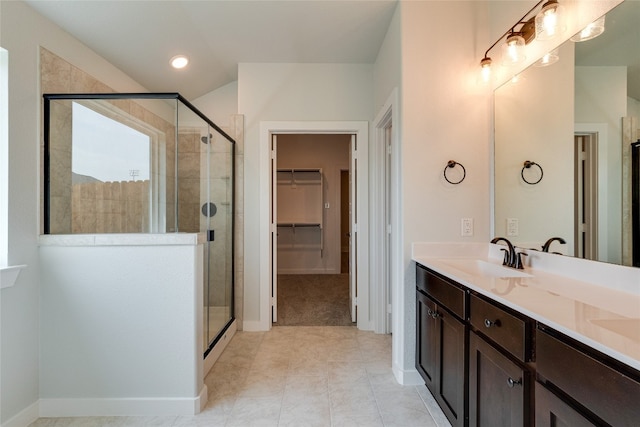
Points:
[512,258]
[547,244]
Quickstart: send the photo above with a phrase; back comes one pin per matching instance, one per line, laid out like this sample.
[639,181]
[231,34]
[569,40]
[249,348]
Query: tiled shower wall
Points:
[59,76]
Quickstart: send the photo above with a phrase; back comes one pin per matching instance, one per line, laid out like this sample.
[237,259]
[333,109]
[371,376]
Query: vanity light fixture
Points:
[179,61]
[548,59]
[550,21]
[523,32]
[591,31]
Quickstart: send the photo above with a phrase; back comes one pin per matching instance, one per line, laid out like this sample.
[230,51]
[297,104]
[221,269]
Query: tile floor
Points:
[298,376]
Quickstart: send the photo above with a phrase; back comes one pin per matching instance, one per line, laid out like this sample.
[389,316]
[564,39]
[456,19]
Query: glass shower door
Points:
[205,205]
[217,208]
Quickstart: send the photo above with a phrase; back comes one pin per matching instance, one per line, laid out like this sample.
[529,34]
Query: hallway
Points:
[298,376]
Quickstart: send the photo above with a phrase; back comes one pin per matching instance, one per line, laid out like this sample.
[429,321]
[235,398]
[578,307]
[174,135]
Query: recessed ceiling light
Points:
[179,61]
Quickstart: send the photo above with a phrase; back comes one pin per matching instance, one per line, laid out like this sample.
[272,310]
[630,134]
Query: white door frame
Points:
[385,256]
[603,214]
[361,130]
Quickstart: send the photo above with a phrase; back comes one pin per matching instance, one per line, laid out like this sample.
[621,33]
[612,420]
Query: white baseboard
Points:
[203,399]
[96,407]
[407,376]
[25,417]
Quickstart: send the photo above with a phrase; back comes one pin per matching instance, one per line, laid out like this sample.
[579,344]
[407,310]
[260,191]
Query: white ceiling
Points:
[139,37]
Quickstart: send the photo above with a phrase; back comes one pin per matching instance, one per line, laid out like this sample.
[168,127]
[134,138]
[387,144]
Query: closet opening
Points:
[313,216]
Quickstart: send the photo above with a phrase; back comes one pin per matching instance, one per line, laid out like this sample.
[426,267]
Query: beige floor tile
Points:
[356,420]
[298,376]
[255,411]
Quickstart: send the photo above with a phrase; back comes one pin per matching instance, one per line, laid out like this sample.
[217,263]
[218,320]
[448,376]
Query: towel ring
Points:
[452,164]
[527,165]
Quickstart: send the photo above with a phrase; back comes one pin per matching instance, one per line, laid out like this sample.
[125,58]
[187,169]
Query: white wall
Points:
[633,107]
[601,97]
[119,321]
[21,32]
[388,65]
[444,116]
[288,92]
[219,105]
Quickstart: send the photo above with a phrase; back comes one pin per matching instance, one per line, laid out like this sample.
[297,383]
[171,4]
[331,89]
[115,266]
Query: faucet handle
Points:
[519,264]
[505,260]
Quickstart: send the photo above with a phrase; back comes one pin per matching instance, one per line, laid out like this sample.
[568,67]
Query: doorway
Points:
[309,287]
[360,262]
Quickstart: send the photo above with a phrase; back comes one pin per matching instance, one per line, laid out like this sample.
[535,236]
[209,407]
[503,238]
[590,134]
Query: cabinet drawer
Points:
[607,393]
[444,292]
[506,330]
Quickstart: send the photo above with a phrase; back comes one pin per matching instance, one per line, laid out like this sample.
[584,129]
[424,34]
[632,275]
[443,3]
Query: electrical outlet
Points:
[466,227]
[512,227]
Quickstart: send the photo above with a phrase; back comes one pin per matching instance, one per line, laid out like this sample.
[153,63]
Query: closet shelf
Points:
[299,224]
[300,204]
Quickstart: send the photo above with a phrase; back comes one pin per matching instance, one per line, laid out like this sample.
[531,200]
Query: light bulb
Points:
[485,65]
[513,49]
[550,21]
[548,59]
[591,31]
[179,61]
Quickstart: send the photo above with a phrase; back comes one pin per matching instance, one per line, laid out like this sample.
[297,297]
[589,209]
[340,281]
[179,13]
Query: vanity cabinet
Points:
[488,365]
[587,384]
[498,387]
[500,382]
[441,342]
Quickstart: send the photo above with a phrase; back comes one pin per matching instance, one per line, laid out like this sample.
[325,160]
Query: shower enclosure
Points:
[144,163]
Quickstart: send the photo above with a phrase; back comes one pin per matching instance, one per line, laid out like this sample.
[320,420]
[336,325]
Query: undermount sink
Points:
[478,267]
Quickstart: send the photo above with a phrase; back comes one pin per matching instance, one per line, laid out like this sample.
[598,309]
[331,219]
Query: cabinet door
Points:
[426,340]
[551,411]
[498,388]
[451,351]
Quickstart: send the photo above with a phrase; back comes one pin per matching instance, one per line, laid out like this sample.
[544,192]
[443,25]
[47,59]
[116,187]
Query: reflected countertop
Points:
[603,314]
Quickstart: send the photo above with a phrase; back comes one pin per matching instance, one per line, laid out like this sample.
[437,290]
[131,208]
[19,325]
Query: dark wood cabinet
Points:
[552,411]
[602,388]
[427,337]
[440,355]
[499,393]
[488,365]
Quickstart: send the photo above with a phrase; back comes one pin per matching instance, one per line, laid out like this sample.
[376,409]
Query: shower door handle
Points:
[211,236]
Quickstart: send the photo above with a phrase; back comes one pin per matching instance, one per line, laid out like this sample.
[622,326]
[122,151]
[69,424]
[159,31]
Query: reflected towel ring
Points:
[527,165]
[452,164]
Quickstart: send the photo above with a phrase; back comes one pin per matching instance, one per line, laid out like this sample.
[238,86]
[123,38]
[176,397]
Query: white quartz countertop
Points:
[598,308]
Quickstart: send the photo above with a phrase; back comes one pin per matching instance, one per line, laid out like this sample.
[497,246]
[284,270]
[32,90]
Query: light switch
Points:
[512,227]
[466,227]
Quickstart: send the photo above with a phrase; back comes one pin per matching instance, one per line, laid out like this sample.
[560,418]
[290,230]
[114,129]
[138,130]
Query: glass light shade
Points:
[548,59]
[550,21]
[485,66]
[513,50]
[591,31]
